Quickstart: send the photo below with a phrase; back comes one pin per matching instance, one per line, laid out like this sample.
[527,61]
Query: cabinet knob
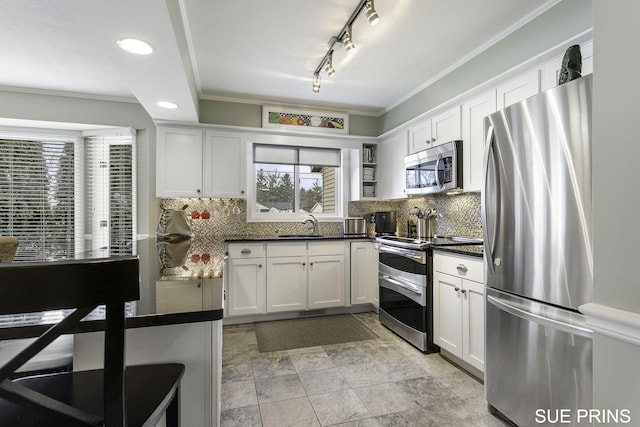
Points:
[456,289]
[259,265]
[462,267]
[464,291]
[245,251]
[433,140]
[310,263]
[198,191]
[304,263]
[241,191]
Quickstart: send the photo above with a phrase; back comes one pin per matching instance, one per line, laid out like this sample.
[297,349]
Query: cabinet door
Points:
[286,283]
[246,293]
[225,165]
[445,126]
[391,172]
[420,137]
[518,88]
[326,281]
[178,162]
[473,138]
[447,314]
[473,323]
[364,273]
[175,296]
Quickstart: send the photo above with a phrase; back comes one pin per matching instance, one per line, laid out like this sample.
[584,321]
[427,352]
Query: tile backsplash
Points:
[214,220]
[457,214]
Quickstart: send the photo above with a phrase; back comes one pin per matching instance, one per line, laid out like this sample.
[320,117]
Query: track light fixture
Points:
[345,37]
[329,65]
[372,15]
[347,40]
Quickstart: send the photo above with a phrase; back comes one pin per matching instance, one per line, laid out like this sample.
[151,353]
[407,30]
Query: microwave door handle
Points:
[490,220]
[435,170]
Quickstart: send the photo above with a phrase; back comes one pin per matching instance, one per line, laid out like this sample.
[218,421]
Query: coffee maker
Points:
[385,223]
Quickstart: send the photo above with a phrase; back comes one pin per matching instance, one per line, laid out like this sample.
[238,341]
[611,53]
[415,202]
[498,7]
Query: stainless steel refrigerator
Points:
[537,229]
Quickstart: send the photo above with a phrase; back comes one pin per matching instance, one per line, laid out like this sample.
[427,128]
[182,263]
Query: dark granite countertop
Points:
[470,250]
[297,237]
[160,303]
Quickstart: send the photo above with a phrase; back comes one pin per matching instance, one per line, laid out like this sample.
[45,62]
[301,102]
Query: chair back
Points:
[81,285]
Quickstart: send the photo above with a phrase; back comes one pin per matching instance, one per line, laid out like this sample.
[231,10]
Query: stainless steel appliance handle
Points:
[536,318]
[490,240]
[405,285]
[407,253]
[435,170]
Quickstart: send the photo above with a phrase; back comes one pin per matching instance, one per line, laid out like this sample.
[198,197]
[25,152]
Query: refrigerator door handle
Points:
[536,318]
[491,234]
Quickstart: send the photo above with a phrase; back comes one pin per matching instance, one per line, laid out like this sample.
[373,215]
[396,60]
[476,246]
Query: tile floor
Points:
[381,382]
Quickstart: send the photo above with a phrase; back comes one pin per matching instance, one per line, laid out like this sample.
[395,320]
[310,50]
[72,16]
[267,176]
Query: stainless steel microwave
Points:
[434,170]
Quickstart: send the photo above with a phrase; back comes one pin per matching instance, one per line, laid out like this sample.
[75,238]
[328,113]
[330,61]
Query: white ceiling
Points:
[245,50]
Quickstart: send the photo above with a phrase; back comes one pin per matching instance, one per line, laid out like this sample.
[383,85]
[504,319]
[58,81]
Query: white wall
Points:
[616,200]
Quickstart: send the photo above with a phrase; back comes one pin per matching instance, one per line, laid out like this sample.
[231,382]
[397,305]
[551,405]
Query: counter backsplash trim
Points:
[213,221]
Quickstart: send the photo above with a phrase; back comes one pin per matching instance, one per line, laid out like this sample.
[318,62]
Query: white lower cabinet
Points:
[364,273]
[246,279]
[286,283]
[326,281]
[305,275]
[459,306]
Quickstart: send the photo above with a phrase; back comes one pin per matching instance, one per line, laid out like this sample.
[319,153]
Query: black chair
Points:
[113,396]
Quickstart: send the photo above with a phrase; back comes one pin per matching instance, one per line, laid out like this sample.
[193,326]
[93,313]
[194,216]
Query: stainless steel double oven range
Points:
[406,295]
[405,280]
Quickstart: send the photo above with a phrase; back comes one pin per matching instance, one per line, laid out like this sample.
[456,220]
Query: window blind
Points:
[109,191]
[37,195]
[288,155]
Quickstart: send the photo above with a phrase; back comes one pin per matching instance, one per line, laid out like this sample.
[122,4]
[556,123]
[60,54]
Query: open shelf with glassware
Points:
[369,170]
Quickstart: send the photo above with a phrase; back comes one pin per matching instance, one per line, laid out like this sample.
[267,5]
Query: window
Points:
[295,180]
[62,194]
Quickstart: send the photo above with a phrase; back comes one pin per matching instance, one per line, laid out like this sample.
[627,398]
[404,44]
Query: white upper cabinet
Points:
[179,162]
[224,165]
[518,88]
[435,130]
[391,172]
[193,163]
[473,138]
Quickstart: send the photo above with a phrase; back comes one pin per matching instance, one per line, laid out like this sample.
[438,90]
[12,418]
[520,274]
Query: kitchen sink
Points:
[299,236]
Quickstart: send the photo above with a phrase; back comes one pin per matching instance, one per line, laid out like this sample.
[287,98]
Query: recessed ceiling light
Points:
[137,46]
[167,104]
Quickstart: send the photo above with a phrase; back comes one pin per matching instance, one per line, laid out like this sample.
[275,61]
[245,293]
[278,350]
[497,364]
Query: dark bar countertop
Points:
[150,310]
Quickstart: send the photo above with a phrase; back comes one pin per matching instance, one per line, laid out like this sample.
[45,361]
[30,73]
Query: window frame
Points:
[254,216]
[79,141]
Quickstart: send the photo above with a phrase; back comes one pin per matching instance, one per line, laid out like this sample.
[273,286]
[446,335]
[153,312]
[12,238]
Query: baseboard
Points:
[360,308]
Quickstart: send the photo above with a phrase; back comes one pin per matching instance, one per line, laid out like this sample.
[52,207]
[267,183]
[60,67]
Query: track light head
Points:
[316,83]
[347,40]
[329,65]
[372,15]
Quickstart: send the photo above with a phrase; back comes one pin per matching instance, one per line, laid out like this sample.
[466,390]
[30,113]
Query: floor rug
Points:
[310,332]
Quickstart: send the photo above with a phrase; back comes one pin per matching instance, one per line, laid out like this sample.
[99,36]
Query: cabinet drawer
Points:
[459,265]
[246,250]
[278,249]
[331,247]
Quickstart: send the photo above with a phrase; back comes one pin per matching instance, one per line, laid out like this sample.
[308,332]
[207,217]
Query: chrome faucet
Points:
[313,222]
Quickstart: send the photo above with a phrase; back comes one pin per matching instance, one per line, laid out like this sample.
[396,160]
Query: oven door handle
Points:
[407,253]
[404,285]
